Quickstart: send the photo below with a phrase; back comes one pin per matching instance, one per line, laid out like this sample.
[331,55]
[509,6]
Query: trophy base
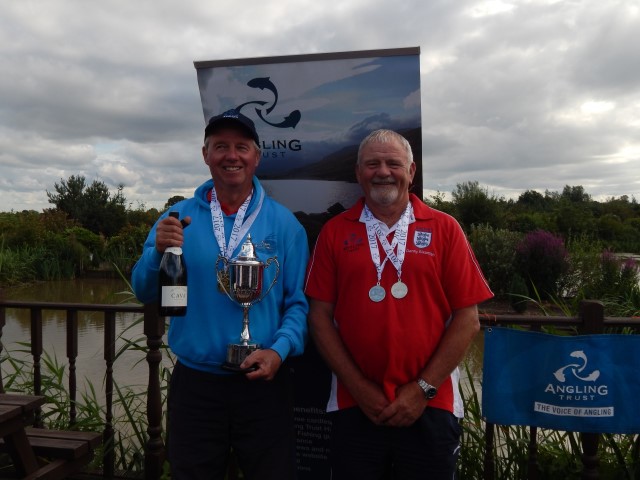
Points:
[236,353]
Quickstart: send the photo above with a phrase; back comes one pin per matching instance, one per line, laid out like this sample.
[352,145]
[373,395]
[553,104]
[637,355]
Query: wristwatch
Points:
[428,390]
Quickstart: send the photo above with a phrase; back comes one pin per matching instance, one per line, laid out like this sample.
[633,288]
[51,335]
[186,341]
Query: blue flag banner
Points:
[585,383]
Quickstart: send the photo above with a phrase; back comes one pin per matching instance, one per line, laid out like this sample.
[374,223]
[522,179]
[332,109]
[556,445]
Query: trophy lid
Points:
[247,255]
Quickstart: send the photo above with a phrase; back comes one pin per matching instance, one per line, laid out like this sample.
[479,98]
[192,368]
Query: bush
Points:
[495,252]
[617,284]
[124,249]
[542,259]
[584,268]
[91,242]
[518,293]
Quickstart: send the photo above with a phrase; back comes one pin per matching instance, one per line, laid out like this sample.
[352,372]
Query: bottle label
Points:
[174,296]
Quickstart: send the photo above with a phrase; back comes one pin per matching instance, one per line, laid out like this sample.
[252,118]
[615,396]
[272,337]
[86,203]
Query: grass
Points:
[559,453]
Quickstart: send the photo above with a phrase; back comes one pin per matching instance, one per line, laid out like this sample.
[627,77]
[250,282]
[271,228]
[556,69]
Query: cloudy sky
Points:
[521,94]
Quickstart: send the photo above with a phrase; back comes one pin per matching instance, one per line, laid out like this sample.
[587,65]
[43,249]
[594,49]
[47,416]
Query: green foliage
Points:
[583,270]
[93,228]
[93,206]
[475,206]
[124,249]
[574,219]
[495,251]
[542,259]
[528,221]
[129,407]
[618,285]
[438,202]
[57,244]
[69,196]
[53,260]
[559,454]
[92,245]
[518,293]
[575,194]
[172,201]
[140,216]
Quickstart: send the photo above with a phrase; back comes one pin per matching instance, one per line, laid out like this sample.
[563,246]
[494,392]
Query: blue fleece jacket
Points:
[279,321]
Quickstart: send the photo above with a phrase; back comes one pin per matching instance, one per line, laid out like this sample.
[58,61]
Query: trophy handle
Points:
[221,282]
[275,278]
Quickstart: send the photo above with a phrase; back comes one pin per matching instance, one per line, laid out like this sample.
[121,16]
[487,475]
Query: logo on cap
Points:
[233,113]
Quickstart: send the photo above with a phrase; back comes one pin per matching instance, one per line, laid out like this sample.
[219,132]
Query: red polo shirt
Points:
[393,340]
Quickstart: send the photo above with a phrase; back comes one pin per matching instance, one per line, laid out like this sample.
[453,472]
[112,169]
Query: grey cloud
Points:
[109,89]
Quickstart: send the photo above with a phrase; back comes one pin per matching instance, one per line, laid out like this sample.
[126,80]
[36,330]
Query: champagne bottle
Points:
[173,282]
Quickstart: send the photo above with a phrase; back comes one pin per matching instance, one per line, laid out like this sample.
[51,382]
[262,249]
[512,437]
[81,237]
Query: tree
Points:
[69,197]
[172,201]
[575,194]
[474,205]
[532,200]
[93,206]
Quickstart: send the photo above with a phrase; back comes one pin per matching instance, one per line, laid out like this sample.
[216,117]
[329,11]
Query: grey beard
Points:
[384,195]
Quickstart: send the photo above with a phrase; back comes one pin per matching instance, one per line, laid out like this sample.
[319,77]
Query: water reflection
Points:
[129,369]
[86,290]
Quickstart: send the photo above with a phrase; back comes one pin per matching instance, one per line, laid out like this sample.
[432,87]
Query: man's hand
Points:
[406,408]
[267,362]
[370,398]
[169,233]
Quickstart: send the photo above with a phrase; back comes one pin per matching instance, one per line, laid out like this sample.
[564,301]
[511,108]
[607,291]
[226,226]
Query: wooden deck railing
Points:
[590,319]
[154,326]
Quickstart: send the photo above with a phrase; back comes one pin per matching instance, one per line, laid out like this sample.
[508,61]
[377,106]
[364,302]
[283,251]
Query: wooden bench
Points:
[66,451]
[59,453]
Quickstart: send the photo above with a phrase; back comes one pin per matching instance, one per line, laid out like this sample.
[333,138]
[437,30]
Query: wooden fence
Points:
[590,320]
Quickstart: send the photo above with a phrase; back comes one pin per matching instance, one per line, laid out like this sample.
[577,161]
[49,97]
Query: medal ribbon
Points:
[374,231]
[240,227]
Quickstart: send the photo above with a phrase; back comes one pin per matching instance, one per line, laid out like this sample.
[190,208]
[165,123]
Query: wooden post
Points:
[154,451]
[3,321]
[36,353]
[489,461]
[592,316]
[108,437]
[72,355]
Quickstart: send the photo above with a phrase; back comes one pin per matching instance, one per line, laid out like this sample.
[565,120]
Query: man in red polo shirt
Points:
[393,286]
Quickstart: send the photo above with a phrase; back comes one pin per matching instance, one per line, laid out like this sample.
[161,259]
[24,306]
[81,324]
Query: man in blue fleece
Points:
[212,411]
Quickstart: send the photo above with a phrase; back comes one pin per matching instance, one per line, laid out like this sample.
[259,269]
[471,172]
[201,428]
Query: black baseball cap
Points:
[232,117]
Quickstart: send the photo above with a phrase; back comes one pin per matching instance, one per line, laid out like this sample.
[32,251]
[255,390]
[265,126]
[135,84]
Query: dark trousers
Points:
[428,449]
[211,414]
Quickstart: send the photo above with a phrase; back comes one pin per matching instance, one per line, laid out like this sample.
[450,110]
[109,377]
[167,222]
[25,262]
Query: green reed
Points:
[558,452]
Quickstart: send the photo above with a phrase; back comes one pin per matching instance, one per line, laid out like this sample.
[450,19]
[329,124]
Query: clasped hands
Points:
[407,407]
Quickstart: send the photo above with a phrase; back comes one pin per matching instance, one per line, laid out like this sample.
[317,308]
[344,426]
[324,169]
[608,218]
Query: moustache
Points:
[383,182]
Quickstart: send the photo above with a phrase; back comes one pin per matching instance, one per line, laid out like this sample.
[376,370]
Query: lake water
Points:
[129,369]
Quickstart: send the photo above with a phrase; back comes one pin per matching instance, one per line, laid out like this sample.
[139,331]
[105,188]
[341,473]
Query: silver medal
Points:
[399,289]
[377,293]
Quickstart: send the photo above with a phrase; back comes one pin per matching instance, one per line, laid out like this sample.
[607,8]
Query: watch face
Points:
[429,390]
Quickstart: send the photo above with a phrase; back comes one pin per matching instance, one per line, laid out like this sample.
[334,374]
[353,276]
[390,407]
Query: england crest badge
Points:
[422,237]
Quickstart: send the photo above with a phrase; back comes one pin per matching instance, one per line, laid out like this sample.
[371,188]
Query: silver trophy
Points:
[241,280]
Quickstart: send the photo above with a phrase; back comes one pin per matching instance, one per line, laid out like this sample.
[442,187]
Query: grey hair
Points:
[386,136]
